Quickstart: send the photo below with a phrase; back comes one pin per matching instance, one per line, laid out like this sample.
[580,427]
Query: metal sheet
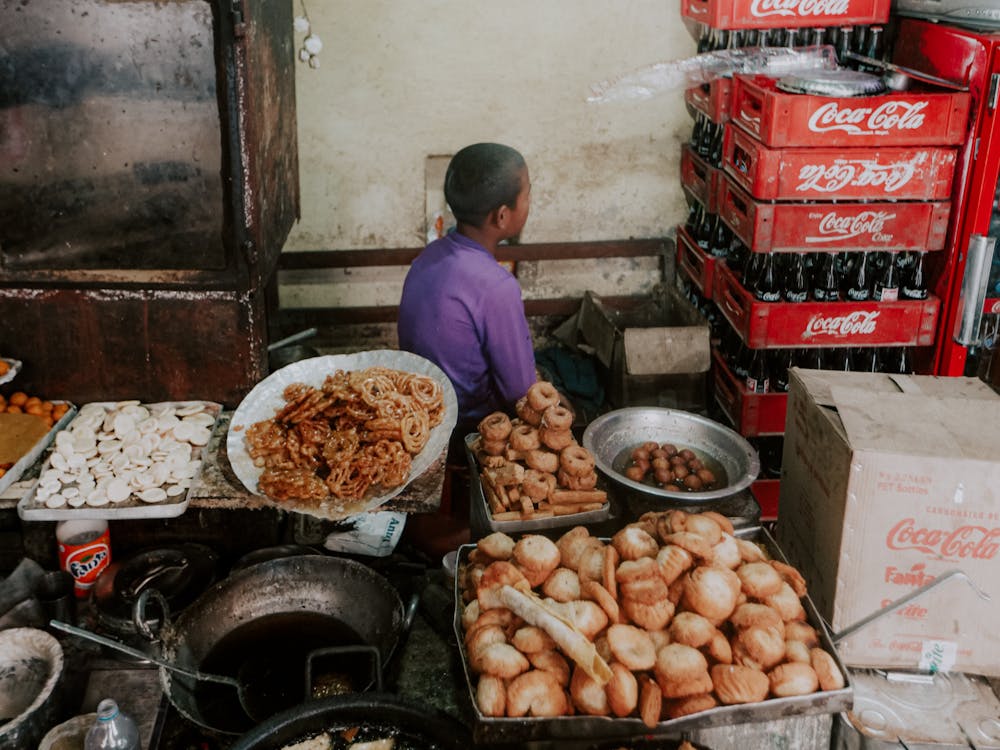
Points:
[104,344]
[488,729]
[110,125]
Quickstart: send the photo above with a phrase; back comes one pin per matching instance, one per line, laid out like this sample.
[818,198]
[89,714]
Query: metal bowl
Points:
[612,436]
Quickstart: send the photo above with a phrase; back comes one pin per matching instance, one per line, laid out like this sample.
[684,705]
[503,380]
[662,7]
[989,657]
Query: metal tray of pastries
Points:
[676,623]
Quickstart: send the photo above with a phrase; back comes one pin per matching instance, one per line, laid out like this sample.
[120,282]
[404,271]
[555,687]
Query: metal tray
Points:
[15,367]
[30,509]
[489,729]
[28,459]
[266,399]
[481,518]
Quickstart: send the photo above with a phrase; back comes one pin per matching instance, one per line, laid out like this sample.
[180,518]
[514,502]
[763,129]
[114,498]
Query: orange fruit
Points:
[18,398]
[11,409]
[4,367]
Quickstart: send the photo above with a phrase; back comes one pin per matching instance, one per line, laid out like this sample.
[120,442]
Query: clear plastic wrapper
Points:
[649,81]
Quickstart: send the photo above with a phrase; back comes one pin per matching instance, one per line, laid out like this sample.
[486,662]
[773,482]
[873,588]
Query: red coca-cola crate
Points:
[901,173]
[780,325]
[752,414]
[766,492]
[695,263]
[711,99]
[775,14]
[991,306]
[794,227]
[700,178]
[922,116]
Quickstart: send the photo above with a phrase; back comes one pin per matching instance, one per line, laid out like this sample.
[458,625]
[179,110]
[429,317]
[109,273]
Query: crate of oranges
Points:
[27,425]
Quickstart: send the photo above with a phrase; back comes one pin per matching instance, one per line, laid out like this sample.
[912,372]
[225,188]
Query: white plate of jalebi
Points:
[402,409]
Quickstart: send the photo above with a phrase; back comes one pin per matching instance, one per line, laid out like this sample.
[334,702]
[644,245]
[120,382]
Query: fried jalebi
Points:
[360,430]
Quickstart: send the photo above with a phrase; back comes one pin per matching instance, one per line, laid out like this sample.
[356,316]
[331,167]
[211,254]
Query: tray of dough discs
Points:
[123,460]
[551,648]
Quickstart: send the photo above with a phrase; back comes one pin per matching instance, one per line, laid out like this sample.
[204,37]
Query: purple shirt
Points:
[463,311]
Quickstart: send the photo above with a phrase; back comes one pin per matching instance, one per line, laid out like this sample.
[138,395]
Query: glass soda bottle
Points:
[858,287]
[718,244]
[797,280]
[781,360]
[768,286]
[825,285]
[915,287]
[886,287]
[758,378]
[112,730]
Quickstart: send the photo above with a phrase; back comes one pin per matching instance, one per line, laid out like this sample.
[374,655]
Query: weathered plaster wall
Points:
[401,81]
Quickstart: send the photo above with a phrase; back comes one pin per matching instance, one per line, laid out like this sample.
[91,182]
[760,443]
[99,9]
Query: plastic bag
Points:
[373,534]
[659,78]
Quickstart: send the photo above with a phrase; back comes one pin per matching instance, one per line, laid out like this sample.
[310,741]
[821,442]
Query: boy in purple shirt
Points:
[460,308]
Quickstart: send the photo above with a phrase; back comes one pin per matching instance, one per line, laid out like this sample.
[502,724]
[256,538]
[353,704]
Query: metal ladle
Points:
[194,674]
[904,600]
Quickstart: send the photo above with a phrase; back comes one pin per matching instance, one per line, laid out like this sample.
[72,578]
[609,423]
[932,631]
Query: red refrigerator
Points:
[969,269]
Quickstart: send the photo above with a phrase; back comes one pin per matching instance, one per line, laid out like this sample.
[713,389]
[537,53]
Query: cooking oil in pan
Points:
[268,656]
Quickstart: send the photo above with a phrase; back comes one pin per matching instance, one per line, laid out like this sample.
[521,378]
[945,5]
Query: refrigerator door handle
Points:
[994,92]
[973,292]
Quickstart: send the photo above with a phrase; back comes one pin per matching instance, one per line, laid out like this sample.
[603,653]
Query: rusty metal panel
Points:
[265,81]
[113,344]
[110,147]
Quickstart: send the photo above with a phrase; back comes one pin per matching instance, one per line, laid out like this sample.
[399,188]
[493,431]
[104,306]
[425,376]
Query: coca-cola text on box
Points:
[883,492]
[873,173]
[765,226]
[761,14]
[778,119]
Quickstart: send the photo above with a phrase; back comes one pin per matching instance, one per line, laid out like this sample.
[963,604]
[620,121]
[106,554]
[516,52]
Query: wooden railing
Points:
[325,260]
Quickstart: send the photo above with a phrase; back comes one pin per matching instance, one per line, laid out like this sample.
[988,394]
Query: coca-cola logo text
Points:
[833,227]
[801,8]
[892,115]
[858,322]
[975,542]
[828,178]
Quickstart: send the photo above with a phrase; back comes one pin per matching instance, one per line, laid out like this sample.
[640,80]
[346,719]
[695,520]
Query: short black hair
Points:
[481,178]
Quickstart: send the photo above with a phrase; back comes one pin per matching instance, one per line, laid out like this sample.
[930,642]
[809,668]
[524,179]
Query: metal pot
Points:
[31,670]
[180,573]
[415,727]
[339,595]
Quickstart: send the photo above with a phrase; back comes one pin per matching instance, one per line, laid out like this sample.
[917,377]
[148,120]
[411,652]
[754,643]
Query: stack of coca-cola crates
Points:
[810,215]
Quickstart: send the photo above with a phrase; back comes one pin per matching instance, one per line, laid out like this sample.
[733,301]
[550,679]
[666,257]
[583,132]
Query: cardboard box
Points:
[888,482]
[655,350]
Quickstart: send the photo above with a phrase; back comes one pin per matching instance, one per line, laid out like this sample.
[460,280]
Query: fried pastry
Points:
[759,580]
[712,592]
[827,672]
[793,678]
[632,543]
[632,647]
[738,684]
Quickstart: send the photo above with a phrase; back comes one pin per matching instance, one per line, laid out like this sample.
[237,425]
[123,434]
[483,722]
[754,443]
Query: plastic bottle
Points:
[84,551]
[113,730]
